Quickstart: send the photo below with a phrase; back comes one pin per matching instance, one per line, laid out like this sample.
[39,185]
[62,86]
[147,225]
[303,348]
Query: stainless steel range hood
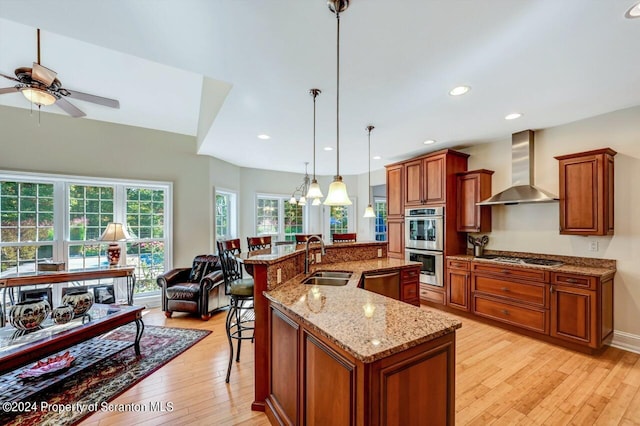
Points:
[522,189]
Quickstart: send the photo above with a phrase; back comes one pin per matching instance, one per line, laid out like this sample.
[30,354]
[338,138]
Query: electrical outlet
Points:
[593,246]
[379,252]
[318,257]
[279,275]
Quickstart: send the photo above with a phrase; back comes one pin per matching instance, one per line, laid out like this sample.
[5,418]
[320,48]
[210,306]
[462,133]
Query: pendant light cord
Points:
[314,93]
[369,129]
[338,96]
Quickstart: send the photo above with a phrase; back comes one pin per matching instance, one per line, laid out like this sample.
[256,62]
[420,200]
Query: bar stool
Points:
[259,243]
[240,323]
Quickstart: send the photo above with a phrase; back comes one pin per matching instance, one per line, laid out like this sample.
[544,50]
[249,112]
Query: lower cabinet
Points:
[458,285]
[314,382]
[572,309]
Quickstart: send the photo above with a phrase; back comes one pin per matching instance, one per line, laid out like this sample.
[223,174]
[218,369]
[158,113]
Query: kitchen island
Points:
[344,355]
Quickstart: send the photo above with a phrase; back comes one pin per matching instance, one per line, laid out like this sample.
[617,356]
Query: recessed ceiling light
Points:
[377,157]
[633,12]
[459,90]
[328,148]
[264,137]
[429,142]
[512,116]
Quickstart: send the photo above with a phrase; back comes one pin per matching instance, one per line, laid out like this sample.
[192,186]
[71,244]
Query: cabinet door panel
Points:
[434,180]
[581,192]
[458,289]
[395,235]
[573,314]
[284,365]
[329,381]
[395,202]
[413,185]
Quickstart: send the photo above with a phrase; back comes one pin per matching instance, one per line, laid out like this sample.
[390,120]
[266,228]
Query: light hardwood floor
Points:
[502,378]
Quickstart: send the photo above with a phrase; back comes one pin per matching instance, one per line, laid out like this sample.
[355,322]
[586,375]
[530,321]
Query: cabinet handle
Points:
[505,289]
[551,289]
[504,311]
[572,280]
[506,271]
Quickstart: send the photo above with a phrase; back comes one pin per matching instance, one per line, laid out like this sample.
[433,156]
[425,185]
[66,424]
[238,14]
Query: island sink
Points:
[335,278]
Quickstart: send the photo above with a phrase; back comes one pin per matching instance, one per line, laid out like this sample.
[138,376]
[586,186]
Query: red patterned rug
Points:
[87,390]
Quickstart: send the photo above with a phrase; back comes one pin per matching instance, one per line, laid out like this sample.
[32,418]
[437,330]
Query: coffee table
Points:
[19,350]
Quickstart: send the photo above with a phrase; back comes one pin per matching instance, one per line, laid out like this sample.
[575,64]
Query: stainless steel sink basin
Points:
[325,281]
[332,274]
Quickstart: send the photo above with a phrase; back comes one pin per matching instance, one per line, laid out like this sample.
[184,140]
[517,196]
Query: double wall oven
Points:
[424,233]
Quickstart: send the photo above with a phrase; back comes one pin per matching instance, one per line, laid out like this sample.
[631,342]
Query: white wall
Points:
[79,146]
[534,227]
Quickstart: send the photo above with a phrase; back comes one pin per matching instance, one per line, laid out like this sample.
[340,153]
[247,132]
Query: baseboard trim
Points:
[627,341]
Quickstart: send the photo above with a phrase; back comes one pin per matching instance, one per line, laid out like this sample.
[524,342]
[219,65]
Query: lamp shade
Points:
[368,212]
[302,201]
[337,195]
[115,232]
[38,96]
[314,190]
[293,200]
[316,202]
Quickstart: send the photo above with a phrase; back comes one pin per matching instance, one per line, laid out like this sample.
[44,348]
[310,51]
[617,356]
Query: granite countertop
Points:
[367,325]
[583,266]
[281,252]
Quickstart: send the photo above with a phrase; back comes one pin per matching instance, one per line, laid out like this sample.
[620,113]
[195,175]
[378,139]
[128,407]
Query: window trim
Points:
[233,213]
[352,218]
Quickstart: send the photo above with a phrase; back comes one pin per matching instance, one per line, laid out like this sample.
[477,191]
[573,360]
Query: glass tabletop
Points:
[12,338]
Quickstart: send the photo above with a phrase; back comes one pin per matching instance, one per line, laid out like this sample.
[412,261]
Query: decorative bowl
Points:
[80,301]
[62,314]
[28,315]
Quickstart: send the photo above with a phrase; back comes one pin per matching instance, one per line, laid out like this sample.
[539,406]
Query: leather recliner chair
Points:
[199,289]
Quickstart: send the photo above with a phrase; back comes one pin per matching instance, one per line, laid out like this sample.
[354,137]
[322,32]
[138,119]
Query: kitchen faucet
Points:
[306,257]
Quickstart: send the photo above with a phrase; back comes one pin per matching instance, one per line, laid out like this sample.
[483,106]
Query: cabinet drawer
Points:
[410,275]
[529,318]
[426,293]
[458,264]
[519,292]
[409,291]
[509,271]
[582,281]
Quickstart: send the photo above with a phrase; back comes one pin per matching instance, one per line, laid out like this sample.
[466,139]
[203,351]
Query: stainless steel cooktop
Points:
[523,260]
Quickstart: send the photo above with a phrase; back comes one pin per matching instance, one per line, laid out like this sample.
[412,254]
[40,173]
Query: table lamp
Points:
[113,233]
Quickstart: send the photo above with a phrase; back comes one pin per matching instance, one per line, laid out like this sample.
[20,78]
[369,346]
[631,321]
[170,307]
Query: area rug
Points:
[108,378]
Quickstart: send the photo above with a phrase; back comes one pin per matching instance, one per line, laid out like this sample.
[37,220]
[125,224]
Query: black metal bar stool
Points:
[240,321]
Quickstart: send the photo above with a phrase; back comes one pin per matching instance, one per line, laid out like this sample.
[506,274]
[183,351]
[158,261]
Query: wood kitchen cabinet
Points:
[395,238]
[473,187]
[427,178]
[581,309]
[586,192]
[410,282]
[313,381]
[458,288]
[395,211]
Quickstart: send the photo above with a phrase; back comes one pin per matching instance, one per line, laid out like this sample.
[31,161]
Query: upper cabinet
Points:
[473,187]
[425,181]
[395,180]
[586,192]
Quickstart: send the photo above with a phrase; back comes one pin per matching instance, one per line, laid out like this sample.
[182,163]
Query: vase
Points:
[81,301]
[28,315]
[62,314]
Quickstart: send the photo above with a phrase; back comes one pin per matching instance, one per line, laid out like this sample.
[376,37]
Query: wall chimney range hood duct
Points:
[522,189]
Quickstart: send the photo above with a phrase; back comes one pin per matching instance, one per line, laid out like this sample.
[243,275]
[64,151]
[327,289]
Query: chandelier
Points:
[302,189]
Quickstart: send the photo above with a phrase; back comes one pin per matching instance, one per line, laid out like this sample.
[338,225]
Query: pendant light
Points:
[337,195]
[314,189]
[368,212]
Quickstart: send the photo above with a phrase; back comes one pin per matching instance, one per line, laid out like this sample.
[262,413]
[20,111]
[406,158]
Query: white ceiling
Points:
[554,61]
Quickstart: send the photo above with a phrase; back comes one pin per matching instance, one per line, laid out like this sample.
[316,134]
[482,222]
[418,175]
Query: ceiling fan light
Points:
[38,96]
[368,212]
[314,190]
[337,195]
[316,202]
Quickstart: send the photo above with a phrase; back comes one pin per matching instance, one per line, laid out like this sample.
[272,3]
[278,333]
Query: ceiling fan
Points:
[40,86]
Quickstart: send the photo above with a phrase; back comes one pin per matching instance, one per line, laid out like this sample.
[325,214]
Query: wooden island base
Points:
[314,382]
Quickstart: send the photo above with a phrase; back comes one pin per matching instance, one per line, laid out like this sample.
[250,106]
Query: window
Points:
[58,218]
[339,219]
[225,215]
[380,208]
[277,217]
[26,225]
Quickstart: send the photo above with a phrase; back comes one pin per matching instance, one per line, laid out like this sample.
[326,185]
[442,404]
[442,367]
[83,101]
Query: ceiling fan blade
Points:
[9,77]
[93,98]
[43,74]
[69,108]
[9,90]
